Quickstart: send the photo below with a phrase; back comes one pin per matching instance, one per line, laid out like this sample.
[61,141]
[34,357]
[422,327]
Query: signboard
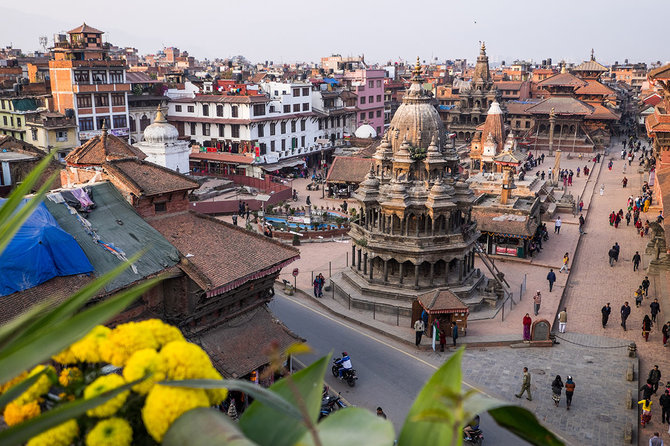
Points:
[503,251]
[540,330]
[122,132]
[294,219]
[295,272]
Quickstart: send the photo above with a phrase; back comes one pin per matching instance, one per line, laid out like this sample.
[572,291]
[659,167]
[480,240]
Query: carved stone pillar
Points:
[416,275]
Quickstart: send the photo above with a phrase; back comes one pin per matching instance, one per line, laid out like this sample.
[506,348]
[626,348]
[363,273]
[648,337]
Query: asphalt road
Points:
[388,375]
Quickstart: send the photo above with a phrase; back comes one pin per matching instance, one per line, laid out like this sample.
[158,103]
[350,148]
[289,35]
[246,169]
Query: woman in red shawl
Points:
[526,327]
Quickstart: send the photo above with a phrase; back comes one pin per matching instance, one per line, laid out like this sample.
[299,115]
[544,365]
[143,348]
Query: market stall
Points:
[440,308]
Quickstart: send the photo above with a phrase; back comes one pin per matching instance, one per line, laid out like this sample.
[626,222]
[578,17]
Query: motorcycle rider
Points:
[471,427]
[344,363]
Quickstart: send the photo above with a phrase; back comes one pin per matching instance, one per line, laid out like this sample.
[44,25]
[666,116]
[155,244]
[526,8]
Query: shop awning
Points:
[292,162]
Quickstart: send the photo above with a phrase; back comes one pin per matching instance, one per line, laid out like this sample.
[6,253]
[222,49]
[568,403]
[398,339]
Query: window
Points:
[371,115]
[338,121]
[261,130]
[283,144]
[302,141]
[272,109]
[296,108]
[205,129]
[273,128]
[292,126]
[104,120]
[177,108]
[263,148]
[371,84]
[192,125]
[119,121]
[235,129]
[222,130]
[233,111]
[379,98]
[305,91]
[99,77]
[3,104]
[83,101]
[294,143]
[160,207]
[219,110]
[259,109]
[118,99]
[18,122]
[115,77]
[61,135]
[287,109]
[276,93]
[272,146]
[371,99]
[305,106]
[101,100]
[379,130]
[379,83]
[296,92]
[81,77]
[205,110]
[362,115]
[4,120]
[85,124]
[379,113]
[283,128]
[320,124]
[33,131]
[362,100]
[527,124]
[303,124]
[190,108]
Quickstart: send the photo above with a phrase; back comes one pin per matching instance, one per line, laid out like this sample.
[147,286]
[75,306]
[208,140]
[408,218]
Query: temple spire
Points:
[593,56]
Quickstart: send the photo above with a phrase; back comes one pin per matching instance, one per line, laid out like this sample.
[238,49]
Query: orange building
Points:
[87,85]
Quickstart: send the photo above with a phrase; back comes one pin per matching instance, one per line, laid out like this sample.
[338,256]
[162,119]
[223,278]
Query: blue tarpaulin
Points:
[330,80]
[40,251]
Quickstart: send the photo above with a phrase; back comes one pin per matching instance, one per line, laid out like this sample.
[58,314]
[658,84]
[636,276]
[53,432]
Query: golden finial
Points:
[552,113]
[483,49]
[160,117]
[417,67]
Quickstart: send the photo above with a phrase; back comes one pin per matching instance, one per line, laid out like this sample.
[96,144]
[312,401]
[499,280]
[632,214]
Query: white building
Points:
[162,146]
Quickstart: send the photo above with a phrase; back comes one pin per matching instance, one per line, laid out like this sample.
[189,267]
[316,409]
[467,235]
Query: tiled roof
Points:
[518,108]
[508,85]
[348,169]
[242,345]
[103,148]
[562,79]
[138,77]
[561,105]
[590,65]
[660,73]
[603,113]
[221,256]
[594,87]
[441,302]
[84,28]
[147,178]
[222,157]
[498,223]
[11,144]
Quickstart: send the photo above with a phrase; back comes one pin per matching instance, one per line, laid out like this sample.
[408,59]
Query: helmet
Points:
[344,354]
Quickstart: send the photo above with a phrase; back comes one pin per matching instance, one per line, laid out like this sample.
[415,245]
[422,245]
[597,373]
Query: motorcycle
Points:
[330,404]
[476,438]
[349,375]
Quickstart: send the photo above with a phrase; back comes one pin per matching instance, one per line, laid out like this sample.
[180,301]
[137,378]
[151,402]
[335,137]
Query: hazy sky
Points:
[287,31]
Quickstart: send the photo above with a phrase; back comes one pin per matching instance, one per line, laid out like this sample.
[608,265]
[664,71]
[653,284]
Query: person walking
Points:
[655,309]
[646,327]
[525,385]
[551,278]
[380,413]
[656,440]
[612,255]
[606,310]
[562,320]
[645,416]
[566,259]
[537,300]
[647,390]
[556,389]
[617,249]
[581,223]
[454,332]
[527,321]
[636,261]
[639,295]
[645,286]
[557,225]
[419,328]
[625,312]
[654,378]
[664,402]
[569,391]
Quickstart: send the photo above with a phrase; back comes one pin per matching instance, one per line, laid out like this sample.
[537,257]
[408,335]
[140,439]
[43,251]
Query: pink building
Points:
[369,87]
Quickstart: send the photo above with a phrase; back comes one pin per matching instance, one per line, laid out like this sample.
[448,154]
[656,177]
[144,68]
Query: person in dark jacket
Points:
[606,310]
[612,255]
[664,402]
[655,309]
[647,390]
[646,327]
[645,285]
[551,277]
[454,332]
[569,391]
[636,261]
[556,389]
[625,312]
[654,378]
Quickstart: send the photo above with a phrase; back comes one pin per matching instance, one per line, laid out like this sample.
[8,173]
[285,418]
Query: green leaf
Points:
[21,433]
[265,396]
[524,424]
[14,392]
[447,380]
[26,353]
[352,426]
[205,427]
[11,329]
[268,426]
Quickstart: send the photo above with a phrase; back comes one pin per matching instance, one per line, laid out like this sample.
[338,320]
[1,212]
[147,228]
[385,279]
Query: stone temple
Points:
[414,230]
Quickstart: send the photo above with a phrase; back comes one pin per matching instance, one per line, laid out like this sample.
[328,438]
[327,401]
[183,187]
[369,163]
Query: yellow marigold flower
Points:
[110,432]
[185,360]
[18,413]
[61,435]
[39,388]
[102,385]
[165,404]
[140,364]
[164,333]
[125,340]
[87,349]
[216,396]
[69,375]
[12,382]
[65,357]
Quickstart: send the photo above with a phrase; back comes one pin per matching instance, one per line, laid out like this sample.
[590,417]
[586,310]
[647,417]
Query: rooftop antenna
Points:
[43,43]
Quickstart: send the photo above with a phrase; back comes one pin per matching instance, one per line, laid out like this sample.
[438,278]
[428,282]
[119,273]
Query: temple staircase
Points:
[498,276]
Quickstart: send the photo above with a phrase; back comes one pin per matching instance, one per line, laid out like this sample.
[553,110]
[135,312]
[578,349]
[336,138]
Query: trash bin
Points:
[520,252]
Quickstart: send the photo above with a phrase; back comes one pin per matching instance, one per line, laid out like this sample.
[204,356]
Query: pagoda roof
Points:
[562,80]
[84,28]
[660,73]
[562,105]
[102,148]
[441,302]
[507,158]
[603,113]
[593,87]
[590,65]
